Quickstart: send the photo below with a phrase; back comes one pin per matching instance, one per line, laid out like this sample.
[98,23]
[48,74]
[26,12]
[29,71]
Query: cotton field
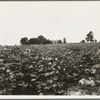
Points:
[61,69]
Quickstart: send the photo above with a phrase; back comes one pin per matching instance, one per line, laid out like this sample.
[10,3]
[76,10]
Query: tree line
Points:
[42,40]
[39,40]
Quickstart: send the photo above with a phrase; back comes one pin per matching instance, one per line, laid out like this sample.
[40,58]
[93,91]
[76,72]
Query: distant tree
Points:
[83,41]
[95,41]
[24,41]
[49,41]
[59,42]
[64,40]
[33,41]
[90,37]
[42,39]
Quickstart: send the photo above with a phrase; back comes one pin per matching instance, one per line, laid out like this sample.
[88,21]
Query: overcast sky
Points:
[52,19]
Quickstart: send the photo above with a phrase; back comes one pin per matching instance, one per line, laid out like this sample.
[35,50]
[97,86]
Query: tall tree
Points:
[90,37]
[64,40]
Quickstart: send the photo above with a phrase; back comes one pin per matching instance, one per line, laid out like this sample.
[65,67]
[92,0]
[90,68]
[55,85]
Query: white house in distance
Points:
[59,41]
[54,41]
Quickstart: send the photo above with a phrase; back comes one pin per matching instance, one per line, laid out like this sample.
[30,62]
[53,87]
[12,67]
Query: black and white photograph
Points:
[50,48]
